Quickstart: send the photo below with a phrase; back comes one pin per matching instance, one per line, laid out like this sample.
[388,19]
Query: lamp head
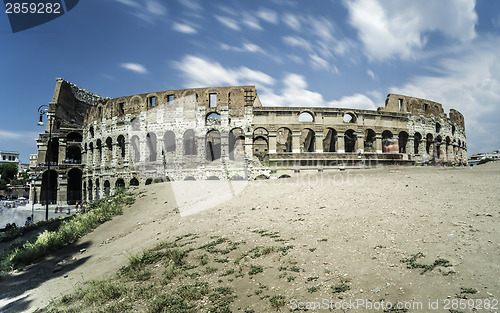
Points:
[40,123]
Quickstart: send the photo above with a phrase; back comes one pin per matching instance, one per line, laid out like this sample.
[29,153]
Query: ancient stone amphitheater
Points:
[100,144]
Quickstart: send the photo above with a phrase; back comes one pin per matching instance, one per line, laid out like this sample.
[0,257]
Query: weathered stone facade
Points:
[226,133]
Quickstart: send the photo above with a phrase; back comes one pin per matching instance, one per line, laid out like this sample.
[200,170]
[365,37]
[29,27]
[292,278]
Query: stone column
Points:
[318,142]
[272,141]
[359,145]
[378,143]
[340,143]
[296,141]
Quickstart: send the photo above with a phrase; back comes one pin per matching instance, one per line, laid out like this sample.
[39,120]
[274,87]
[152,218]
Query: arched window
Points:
[121,144]
[213,145]
[402,141]
[330,140]
[350,138]
[189,142]
[284,140]
[169,141]
[308,140]
[306,117]
[416,142]
[370,137]
[135,151]
[388,142]
[236,144]
[349,117]
[151,145]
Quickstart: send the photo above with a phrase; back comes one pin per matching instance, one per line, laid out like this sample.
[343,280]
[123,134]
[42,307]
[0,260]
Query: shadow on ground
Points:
[15,289]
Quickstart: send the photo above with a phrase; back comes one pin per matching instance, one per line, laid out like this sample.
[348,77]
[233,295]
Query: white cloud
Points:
[268,15]
[318,63]
[251,21]
[395,28]
[292,21]
[135,67]
[469,83]
[200,72]
[228,22]
[184,28]
[191,4]
[147,10]
[296,41]
[371,74]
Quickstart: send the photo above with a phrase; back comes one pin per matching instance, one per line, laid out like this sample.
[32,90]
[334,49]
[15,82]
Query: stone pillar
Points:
[410,146]
[272,141]
[61,155]
[340,143]
[378,144]
[318,142]
[224,146]
[359,145]
[296,141]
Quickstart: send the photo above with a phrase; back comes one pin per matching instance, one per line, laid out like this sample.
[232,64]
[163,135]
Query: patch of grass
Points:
[255,269]
[204,259]
[193,292]
[312,278]
[313,289]
[226,260]
[210,270]
[323,240]
[412,263]
[164,303]
[312,249]
[295,269]
[465,291]
[228,272]
[101,291]
[284,250]
[277,302]
[342,287]
[290,278]
[67,232]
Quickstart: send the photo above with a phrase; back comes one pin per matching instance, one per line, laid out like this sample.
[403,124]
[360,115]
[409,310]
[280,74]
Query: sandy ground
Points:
[353,225]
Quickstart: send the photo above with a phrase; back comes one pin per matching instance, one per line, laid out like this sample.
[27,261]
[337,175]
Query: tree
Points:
[9,171]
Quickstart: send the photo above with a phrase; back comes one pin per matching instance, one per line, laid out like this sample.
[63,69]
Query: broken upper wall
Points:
[213,99]
[417,106]
[70,103]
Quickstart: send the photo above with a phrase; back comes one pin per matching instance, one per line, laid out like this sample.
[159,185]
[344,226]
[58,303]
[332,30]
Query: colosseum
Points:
[100,144]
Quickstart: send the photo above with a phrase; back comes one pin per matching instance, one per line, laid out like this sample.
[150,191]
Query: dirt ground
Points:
[352,227]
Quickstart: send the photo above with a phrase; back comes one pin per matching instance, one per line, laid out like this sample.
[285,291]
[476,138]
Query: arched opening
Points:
[236,144]
[149,181]
[51,186]
[453,130]
[370,137]
[416,142]
[213,119]
[284,140]
[448,143]
[388,142]
[213,178]
[308,140]
[189,178]
[189,142]
[135,124]
[135,151]
[330,140]
[107,188]
[349,117]
[121,144]
[169,141]
[438,146]
[402,141]
[120,184]
[52,154]
[350,138]
[151,146]
[91,131]
[74,186]
[97,189]
[428,143]
[109,149]
[99,150]
[260,148]
[91,190]
[438,127]
[134,182]
[74,137]
[213,145]
[73,155]
[306,117]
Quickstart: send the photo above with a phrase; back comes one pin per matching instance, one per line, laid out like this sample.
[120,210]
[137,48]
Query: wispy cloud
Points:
[228,22]
[251,21]
[135,67]
[184,28]
[201,72]
[292,21]
[148,10]
[399,28]
[371,74]
[268,15]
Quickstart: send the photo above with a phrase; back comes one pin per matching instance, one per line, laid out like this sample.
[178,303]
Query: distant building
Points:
[33,160]
[9,157]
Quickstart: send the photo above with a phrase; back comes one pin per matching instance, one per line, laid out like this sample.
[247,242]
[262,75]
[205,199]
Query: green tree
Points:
[9,171]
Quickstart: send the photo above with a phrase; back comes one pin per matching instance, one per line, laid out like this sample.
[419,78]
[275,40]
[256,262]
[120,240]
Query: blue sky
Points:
[348,53]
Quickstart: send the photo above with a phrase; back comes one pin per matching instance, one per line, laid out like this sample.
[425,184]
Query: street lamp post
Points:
[44,109]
